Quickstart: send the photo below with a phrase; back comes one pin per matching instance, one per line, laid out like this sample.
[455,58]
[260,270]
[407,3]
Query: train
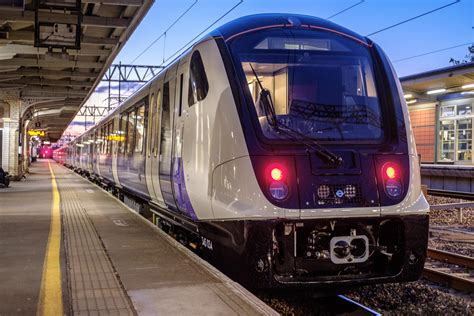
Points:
[44,152]
[280,147]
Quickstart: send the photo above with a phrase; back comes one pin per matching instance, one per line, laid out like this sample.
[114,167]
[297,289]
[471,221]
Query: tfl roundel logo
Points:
[339,193]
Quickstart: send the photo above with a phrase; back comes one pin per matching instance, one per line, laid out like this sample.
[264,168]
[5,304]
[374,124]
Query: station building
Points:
[440,104]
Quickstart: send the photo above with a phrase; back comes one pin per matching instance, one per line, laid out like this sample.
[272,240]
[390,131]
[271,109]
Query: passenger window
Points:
[122,132]
[156,122]
[151,134]
[130,132]
[166,136]
[198,85]
[140,128]
[109,149]
[180,94]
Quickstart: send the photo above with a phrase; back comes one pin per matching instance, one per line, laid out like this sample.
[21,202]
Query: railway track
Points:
[452,194]
[358,309]
[446,274]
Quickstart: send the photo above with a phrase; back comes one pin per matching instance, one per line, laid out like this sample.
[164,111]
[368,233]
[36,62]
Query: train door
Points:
[152,146]
[166,138]
[180,112]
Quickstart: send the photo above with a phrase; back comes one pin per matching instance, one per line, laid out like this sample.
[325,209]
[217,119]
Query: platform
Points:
[448,178]
[111,260]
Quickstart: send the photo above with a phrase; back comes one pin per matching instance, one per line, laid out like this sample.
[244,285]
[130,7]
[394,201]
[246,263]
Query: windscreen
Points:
[321,84]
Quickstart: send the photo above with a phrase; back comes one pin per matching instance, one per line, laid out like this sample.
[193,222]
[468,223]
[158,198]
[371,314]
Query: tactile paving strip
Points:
[93,285]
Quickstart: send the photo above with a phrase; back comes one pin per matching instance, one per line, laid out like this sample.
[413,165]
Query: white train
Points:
[280,146]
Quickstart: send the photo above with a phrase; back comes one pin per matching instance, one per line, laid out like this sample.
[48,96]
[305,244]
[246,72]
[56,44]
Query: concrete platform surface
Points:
[113,261]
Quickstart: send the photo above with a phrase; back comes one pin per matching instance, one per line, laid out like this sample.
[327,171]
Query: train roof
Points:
[267,20]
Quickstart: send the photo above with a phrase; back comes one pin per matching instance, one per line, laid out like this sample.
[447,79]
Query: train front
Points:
[330,144]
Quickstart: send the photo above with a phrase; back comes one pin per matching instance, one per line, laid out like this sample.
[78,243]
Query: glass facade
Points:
[455,133]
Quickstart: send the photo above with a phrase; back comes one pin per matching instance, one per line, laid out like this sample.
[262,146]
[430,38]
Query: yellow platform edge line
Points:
[50,299]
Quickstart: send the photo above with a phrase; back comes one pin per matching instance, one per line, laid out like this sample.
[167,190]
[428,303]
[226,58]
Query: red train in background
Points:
[45,152]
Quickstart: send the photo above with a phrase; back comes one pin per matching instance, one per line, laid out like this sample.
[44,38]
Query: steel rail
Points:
[452,194]
[450,257]
[452,205]
[449,279]
[360,309]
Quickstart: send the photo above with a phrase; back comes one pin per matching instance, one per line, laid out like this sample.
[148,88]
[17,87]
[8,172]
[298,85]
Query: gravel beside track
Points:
[449,216]
[415,298]
[466,249]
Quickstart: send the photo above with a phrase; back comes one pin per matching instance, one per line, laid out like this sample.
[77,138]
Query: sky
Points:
[448,27]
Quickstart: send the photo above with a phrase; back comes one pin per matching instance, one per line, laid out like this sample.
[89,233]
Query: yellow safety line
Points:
[50,299]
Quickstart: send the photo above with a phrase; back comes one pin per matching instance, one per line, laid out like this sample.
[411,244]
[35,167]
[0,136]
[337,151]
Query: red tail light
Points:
[277,174]
[277,185]
[393,185]
[390,172]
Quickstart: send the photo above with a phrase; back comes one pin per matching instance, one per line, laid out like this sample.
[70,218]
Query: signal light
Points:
[276,174]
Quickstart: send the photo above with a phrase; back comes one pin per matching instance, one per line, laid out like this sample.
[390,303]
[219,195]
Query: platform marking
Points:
[50,299]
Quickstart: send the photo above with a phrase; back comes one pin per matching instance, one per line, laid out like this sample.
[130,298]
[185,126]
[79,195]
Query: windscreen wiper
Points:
[269,110]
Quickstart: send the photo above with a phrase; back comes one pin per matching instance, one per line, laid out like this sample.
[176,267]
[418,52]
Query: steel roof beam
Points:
[28,49]
[87,20]
[29,37]
[33,72]
[132,3]
[44,82]
[52,92]
[53,63]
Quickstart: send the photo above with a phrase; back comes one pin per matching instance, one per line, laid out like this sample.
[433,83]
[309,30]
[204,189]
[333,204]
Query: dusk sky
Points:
[441,30]
[451,26]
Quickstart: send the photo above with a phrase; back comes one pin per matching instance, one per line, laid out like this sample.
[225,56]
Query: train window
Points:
[140,128]
[180,93]
[110,130]
[122,132]
[106,140]
[198,84]
[130,132]
[166,140]
[321,84]
[156,122]
[106,130]
[151,115]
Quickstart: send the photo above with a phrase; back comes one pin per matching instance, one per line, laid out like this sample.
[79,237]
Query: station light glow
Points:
[408,96]
[436,91]
[412,101]
[468,86]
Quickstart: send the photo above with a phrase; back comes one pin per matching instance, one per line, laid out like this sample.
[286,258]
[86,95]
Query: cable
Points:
[164,33]
[205,30]
[432,52]
[346,9]
[413,18]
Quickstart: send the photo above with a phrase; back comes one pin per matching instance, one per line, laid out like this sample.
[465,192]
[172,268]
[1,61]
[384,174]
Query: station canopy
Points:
[55,52]
[427,86]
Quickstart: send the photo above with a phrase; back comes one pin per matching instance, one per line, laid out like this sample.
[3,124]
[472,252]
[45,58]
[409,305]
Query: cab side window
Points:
[198,84]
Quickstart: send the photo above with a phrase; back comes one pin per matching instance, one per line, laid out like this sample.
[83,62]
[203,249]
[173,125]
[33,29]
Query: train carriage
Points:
[280,145]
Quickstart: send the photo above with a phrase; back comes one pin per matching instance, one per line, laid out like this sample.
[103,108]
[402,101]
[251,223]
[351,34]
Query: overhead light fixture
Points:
[468,86]
[467,92]
[436,91]
[412,101]
[408,96]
